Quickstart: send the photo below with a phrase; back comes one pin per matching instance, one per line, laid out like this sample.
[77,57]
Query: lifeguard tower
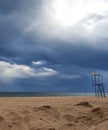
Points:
[97,82]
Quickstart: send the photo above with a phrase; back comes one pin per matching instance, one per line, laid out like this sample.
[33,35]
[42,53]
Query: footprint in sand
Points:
[35,128]
[1,118]
[43,108]
[25,112]
[97,110]
[69,117]
[48,110]
[3,124]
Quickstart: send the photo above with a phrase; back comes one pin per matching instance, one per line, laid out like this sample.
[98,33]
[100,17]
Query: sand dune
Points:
[54,113]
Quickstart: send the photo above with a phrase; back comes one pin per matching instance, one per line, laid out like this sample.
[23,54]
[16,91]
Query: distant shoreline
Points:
[44,94]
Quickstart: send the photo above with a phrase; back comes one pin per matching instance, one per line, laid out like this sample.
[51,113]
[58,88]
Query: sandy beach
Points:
[53,113]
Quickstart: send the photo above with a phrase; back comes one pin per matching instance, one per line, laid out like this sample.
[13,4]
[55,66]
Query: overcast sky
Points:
[52,45]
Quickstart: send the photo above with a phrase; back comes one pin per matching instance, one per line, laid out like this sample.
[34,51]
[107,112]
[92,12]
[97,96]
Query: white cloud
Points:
[44,71]
[41,62]
[11,71]
[69,20]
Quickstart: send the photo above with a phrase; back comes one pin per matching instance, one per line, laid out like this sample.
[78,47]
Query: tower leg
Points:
[96,91]
[100,90]
[103,91]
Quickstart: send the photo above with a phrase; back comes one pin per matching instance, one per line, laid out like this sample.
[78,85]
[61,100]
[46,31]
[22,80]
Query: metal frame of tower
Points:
[97,81]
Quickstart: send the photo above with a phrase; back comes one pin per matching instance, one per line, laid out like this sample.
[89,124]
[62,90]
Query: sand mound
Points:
[85,104]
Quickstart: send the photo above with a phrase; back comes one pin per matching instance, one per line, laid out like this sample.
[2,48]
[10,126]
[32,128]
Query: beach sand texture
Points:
[54,113]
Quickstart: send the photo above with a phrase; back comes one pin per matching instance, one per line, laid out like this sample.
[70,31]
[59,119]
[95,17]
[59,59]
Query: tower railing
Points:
[97,82]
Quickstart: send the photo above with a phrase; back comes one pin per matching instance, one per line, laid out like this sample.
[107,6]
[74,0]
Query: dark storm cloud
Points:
[81,55]
[11,42]
[7,7]
[14,46]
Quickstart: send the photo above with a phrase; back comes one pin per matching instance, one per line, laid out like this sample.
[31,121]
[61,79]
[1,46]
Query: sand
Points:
[54,113]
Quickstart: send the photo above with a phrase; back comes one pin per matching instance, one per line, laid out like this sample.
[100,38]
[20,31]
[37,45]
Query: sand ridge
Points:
[54,113]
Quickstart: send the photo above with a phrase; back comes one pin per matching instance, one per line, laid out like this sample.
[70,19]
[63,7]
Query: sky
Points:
[52,45]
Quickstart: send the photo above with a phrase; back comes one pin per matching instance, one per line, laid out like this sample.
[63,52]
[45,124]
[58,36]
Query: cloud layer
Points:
[52,45]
